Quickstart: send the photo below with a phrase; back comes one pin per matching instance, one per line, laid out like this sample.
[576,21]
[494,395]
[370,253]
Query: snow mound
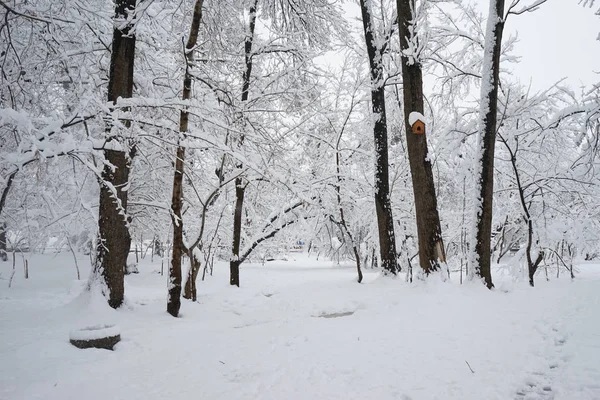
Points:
[95,332]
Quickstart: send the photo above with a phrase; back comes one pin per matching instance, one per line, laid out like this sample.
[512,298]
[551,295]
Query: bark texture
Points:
[429,231]
[189,291]
[383,207]
[234,264]
[5,191]
[179,249]
[174,298]
[3,254]
[240,186]
[114,238]
[483,234]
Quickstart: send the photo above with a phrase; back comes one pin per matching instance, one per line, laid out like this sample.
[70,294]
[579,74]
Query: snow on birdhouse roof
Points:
[414,117]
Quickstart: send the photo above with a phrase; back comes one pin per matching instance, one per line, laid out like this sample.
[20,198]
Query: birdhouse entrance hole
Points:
[418,127]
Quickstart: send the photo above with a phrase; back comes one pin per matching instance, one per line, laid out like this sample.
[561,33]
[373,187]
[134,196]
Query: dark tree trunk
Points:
[240,187]
[113,225]
[174,298]
[429,231]
[489,97]
[3,254]
[234,264]
[189,291]
[5,191]
[383,208]
[114,239]
[179,249]
[532,266]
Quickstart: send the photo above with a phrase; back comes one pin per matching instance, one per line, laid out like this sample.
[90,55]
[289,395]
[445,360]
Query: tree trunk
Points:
[234,264]
[179,249]
[429,231]
[189,291]
[174,298]
[5,191]
[346,229]
[114,239]
[487,129]
[240,187]
[383,208]
[3,253]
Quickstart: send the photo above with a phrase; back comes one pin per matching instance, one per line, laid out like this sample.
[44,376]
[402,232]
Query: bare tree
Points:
[179,248]
[383,208]
[240,184]
[487,130]
[487,136]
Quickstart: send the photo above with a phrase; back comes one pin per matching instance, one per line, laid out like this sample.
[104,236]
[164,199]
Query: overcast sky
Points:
[556,41]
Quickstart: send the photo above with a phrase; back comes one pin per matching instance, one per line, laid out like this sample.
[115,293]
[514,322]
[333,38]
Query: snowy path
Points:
[306,330]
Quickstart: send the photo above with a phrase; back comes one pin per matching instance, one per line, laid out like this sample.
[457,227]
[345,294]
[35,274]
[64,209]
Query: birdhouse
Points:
[418,127]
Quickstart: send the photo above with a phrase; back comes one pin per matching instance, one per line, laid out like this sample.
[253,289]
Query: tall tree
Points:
[487,141]
[240,184]
[429,231]
[114,239]
[385,221]
[179,248]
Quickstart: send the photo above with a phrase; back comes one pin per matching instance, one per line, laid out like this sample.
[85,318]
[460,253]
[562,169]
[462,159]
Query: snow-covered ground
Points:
[301,329]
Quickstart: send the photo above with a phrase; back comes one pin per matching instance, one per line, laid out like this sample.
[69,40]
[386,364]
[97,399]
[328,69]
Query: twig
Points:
[32,17]
[469,366]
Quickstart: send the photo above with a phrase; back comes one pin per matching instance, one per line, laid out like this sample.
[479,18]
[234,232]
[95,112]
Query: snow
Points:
[302,329]
[95,332]
[415,116]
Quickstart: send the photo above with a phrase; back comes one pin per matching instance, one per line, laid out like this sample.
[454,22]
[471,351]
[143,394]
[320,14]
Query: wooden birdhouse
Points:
[418,127]
[417,122]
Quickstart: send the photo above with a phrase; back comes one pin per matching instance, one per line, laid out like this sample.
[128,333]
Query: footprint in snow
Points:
[535,391]
[538,387]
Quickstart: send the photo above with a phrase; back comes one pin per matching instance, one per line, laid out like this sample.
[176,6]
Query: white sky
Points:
[556,41]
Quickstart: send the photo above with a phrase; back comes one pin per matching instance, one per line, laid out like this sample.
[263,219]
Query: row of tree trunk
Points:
[114,239]
[431,247]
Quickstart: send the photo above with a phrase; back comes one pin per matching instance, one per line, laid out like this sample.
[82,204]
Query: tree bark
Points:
[114,238]
[179,249]
[429,231]
[489,110]
[189,291]
[240,187]
[383,207]
[174,297]
[234,264]
[3,254]
[9,181]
